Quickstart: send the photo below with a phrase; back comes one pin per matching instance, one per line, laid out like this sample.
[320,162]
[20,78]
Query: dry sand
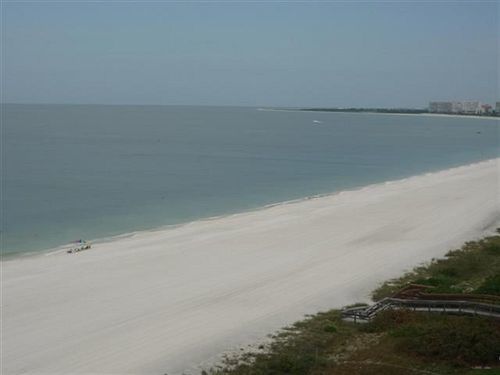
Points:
[169,300]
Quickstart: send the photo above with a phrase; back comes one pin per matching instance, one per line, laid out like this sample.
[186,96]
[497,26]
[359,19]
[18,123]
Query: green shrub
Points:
[330,328]
[441,283]
[451,272]
[458,340]
[492,245]
[390,319]
[490,286]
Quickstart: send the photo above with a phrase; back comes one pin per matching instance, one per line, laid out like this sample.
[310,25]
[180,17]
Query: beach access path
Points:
[170,300]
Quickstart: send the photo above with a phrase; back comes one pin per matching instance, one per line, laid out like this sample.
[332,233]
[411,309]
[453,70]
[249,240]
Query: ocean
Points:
[97,171]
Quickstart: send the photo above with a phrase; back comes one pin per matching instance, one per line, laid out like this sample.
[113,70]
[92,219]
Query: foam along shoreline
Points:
[170,300]
[64,248]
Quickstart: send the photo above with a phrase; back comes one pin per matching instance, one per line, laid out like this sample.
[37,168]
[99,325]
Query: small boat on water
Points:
[79,245]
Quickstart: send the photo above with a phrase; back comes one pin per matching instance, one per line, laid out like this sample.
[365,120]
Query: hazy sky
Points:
[250,53]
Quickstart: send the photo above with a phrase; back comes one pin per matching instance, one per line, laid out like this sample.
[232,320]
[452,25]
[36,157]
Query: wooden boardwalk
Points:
[366,313]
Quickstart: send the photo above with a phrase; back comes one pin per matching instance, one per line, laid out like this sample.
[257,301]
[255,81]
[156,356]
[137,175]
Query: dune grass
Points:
[475,268]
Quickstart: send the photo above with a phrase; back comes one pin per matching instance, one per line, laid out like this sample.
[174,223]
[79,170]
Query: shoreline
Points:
[168,227]
[172,300]
[444,115]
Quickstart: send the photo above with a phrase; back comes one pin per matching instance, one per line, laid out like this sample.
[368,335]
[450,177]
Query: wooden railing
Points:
[366,313]
[417,291]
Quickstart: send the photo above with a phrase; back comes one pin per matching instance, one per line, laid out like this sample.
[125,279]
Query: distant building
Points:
[497,107]
[486,109]
[469,107]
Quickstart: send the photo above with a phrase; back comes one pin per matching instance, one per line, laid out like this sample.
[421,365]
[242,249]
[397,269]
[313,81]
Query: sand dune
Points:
[170,300]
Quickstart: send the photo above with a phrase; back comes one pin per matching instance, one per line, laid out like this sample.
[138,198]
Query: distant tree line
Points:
[393,110]
[376,110]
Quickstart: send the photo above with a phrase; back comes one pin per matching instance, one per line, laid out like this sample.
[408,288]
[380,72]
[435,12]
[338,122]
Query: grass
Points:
[457,340]
[475,268]
[395,342]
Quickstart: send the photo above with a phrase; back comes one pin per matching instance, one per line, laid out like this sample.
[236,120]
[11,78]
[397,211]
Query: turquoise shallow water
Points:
[86,171]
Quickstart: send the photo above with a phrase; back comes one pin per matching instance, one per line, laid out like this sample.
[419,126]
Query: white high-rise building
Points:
[469,107]
[466,106]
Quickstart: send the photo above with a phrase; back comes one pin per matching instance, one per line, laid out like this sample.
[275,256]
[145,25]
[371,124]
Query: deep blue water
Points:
[85,171]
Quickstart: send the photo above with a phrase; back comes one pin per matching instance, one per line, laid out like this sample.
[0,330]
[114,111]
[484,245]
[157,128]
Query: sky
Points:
[259,53]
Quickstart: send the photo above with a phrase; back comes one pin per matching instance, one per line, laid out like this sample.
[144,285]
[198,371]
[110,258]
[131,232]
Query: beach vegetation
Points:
[474,268]
[457,340]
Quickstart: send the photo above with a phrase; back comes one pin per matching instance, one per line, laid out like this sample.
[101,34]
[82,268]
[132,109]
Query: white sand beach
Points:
[171,300]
